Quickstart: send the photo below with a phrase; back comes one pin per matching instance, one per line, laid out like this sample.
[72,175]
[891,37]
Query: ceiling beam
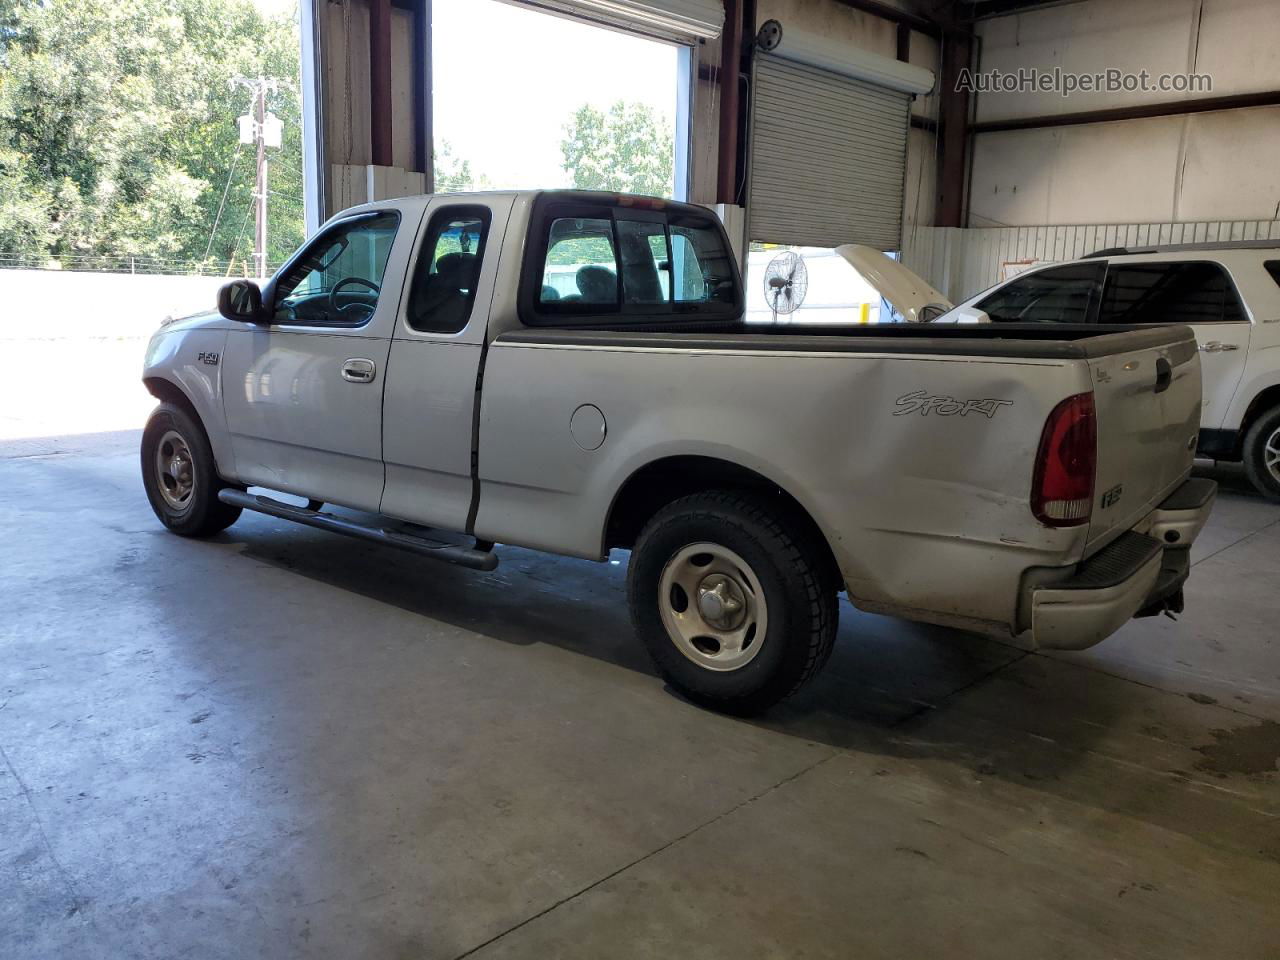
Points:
[1145,111]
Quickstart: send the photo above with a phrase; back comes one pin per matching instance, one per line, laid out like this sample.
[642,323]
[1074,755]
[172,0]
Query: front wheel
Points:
[180,477]
[1262,454]
[731,603]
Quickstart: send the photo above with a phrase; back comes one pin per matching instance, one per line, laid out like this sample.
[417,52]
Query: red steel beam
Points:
[730,54]
[380,82]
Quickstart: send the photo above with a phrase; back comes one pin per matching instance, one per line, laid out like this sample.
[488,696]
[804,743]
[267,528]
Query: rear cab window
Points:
[602,260]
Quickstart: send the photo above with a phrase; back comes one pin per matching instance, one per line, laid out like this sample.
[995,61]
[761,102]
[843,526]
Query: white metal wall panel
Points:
[964,262]
[828,157]
[684,21]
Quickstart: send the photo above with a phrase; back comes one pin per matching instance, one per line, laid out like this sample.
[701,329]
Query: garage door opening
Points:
[524,99]
[833,291]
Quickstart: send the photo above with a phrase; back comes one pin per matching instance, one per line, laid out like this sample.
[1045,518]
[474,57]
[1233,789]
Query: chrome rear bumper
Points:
[1140,573]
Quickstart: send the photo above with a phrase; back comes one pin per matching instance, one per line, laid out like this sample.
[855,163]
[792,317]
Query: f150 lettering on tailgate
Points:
[918,401]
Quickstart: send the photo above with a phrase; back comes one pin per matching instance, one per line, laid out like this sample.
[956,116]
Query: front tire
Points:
[1262,454]
[180,477]
[731,601]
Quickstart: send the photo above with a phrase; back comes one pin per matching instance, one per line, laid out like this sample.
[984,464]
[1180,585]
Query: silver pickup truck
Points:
[570,372]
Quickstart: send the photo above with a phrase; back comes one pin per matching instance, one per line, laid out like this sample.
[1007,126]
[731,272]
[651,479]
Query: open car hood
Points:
[908,293]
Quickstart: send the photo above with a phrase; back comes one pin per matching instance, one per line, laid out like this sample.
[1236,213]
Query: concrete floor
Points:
[282,743]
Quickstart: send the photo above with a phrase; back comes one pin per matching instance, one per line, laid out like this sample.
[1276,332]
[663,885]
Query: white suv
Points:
[1229,293]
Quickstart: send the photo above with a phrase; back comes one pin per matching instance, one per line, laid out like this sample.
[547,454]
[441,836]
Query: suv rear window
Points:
[619,262]
[1196,291]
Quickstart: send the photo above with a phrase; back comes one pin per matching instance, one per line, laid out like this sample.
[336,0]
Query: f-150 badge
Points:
[918,401]
[210,358]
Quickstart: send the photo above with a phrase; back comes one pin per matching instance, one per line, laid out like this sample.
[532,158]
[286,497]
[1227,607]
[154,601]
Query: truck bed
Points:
[1013,340]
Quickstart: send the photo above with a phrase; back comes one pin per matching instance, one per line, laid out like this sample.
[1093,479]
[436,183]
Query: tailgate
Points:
[1147,397]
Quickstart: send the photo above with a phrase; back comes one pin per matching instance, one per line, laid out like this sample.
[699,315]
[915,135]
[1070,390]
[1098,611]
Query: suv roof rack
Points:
[1186,247]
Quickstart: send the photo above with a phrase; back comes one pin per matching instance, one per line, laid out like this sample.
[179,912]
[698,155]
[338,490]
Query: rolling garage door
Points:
[828,142]
[682,21]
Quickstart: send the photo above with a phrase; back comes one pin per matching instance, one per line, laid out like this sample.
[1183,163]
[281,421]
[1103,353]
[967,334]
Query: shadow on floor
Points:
[892,688]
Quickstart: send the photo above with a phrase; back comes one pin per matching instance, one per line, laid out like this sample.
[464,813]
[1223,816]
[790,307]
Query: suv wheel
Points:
[733,608]
[179,476]
[1262,454]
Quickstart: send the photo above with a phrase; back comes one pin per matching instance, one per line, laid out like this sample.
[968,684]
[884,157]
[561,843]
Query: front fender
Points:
[190,361]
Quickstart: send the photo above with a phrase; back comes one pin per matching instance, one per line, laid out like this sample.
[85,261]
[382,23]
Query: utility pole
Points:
[260,226]
[262,130]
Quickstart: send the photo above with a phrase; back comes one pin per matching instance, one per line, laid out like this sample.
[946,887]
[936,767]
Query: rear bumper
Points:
[1140,573]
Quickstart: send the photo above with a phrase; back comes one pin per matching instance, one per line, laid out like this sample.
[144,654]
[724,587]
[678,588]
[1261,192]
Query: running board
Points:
[473,557]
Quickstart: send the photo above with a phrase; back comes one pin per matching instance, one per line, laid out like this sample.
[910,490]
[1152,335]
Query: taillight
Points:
[1062,488]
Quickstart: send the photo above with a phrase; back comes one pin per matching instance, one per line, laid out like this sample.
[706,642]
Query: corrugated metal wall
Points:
[962,262]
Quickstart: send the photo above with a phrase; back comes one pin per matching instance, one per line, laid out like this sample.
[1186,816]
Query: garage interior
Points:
[283,743]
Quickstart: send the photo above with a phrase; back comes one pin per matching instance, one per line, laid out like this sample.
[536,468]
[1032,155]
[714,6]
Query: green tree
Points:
[628,149]
[118,129]
[453,175]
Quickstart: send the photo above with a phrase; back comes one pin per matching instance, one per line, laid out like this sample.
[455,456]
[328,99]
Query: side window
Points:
[1273,268]
[580,267]
[338,278]
[1056,295]
[1198,292]
[448,268]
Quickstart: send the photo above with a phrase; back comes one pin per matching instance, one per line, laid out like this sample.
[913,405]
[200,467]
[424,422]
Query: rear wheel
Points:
[1262,453]
[732,604]
[180,477]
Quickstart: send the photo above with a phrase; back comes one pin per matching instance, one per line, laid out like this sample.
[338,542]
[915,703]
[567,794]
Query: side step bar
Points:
[473,557]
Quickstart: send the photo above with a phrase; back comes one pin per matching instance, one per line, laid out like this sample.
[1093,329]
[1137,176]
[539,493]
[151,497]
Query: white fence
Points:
[962,262]
[63,304]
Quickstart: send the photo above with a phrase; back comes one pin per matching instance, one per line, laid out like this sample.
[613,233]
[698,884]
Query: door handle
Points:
[1217,346]
[1164,375]
[358,370]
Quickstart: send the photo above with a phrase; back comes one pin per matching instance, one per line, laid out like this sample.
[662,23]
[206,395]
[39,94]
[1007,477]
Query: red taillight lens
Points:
[1062,488]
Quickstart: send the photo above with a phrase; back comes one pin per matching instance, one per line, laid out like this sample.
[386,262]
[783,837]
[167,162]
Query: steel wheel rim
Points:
[175,471]
[713,606]
[1271,454]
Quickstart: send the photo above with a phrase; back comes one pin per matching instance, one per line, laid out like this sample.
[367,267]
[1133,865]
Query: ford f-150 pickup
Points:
[570,372]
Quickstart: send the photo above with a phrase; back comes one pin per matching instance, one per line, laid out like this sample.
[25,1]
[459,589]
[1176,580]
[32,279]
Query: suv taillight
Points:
[1062,488]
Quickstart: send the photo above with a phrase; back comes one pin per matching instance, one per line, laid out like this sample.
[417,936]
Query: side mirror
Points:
[967,315]
[931,312]
[241,300]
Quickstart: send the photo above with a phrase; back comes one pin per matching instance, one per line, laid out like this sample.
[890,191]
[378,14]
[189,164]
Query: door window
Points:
[1057,295]
[448,270]
[1198,292]
[337,279]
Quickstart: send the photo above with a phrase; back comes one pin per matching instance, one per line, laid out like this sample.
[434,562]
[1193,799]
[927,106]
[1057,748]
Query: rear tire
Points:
[1262,454]
[732,604]
[180,477]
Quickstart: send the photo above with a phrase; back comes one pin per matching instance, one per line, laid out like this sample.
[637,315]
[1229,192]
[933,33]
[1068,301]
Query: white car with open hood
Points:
[570,372]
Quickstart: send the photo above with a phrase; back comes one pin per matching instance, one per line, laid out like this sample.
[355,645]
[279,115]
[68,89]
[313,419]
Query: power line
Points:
[216,220]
